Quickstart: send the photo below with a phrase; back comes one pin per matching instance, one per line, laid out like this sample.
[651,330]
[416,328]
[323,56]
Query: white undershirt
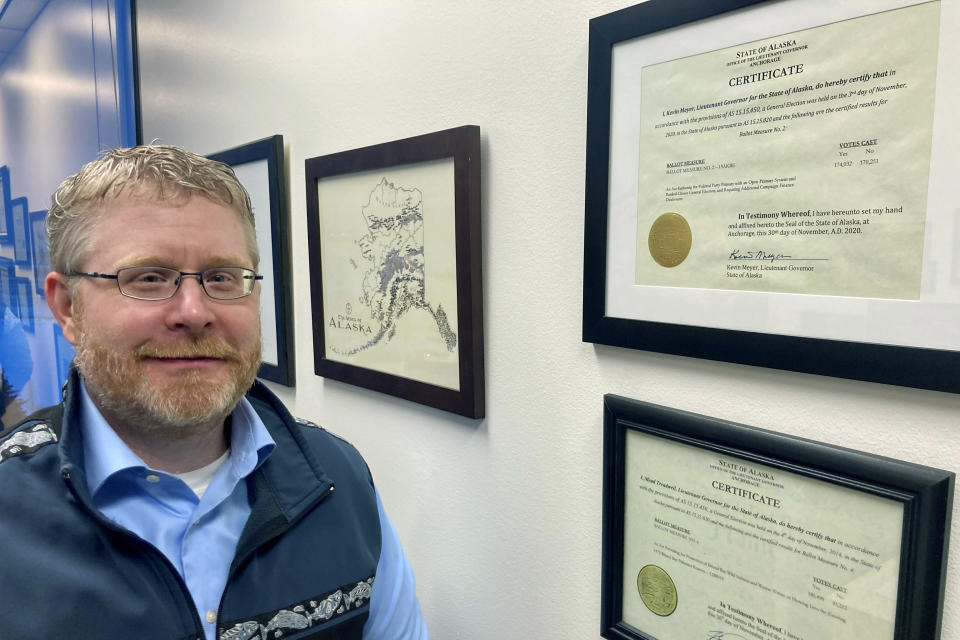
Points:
[199,479]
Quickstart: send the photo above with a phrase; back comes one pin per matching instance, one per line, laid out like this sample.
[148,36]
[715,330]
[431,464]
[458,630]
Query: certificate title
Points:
[745,493]
[760,76]
[742,492]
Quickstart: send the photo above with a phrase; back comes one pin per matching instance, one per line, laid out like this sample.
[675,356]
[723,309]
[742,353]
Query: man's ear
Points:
[61,303]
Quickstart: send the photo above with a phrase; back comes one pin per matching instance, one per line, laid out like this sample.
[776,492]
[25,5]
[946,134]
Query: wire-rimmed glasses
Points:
[161,283]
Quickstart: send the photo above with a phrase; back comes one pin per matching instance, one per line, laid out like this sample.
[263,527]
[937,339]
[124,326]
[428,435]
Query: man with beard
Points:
[170,495]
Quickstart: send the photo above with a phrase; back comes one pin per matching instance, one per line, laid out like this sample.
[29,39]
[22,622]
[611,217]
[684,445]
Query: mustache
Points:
[201,347]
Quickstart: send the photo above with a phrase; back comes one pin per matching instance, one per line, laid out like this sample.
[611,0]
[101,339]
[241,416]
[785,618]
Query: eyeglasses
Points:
[160,283]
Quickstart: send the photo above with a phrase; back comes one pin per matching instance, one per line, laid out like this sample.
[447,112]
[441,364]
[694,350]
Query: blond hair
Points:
[154,173]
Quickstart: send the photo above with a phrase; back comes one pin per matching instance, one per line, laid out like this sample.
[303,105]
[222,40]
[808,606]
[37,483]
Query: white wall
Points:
[501,518]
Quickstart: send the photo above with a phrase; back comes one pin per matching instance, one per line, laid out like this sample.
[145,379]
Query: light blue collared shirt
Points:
[199,535]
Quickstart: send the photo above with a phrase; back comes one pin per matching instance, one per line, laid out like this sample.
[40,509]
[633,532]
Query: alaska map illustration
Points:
[393,281]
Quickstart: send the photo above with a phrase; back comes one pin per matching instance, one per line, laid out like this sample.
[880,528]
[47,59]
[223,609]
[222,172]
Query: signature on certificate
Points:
[759,254]
[724,635]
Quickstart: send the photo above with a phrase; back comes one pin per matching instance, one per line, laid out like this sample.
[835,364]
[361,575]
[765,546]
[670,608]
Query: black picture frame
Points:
[41,249]
[5,221]
[925,493]
[19,233]
[277,271]
[904,365]
[461,145]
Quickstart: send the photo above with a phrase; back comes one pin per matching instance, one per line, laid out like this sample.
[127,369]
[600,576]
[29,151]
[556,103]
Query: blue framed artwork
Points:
[24,295]
[4,205]
[64,354]
[7,297]
[41,249]
[17,230]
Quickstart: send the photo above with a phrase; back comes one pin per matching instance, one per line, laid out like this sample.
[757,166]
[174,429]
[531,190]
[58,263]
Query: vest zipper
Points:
[246,553]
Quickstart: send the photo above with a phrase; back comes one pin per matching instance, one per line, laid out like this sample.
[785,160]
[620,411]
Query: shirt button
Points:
[211,616]
[153,478]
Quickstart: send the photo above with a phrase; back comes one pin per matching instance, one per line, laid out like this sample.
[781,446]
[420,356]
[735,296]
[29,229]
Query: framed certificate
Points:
[395,277]
[260,169]
[749,198]
[718,530]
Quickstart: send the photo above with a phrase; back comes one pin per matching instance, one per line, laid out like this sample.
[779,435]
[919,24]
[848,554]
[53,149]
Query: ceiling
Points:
[16,16]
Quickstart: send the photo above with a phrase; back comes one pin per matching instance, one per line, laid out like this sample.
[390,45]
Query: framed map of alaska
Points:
[395,275]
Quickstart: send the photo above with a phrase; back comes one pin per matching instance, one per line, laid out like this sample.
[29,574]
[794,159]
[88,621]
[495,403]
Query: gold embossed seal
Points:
[657,590]
[670,239]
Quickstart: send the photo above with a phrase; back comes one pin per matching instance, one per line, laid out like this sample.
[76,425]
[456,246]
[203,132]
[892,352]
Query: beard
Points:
[190,403]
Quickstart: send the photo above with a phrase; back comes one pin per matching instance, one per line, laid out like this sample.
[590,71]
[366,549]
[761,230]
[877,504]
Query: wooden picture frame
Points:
[395,268]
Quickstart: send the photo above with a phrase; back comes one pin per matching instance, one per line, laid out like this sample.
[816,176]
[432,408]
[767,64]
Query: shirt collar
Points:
[105,454]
